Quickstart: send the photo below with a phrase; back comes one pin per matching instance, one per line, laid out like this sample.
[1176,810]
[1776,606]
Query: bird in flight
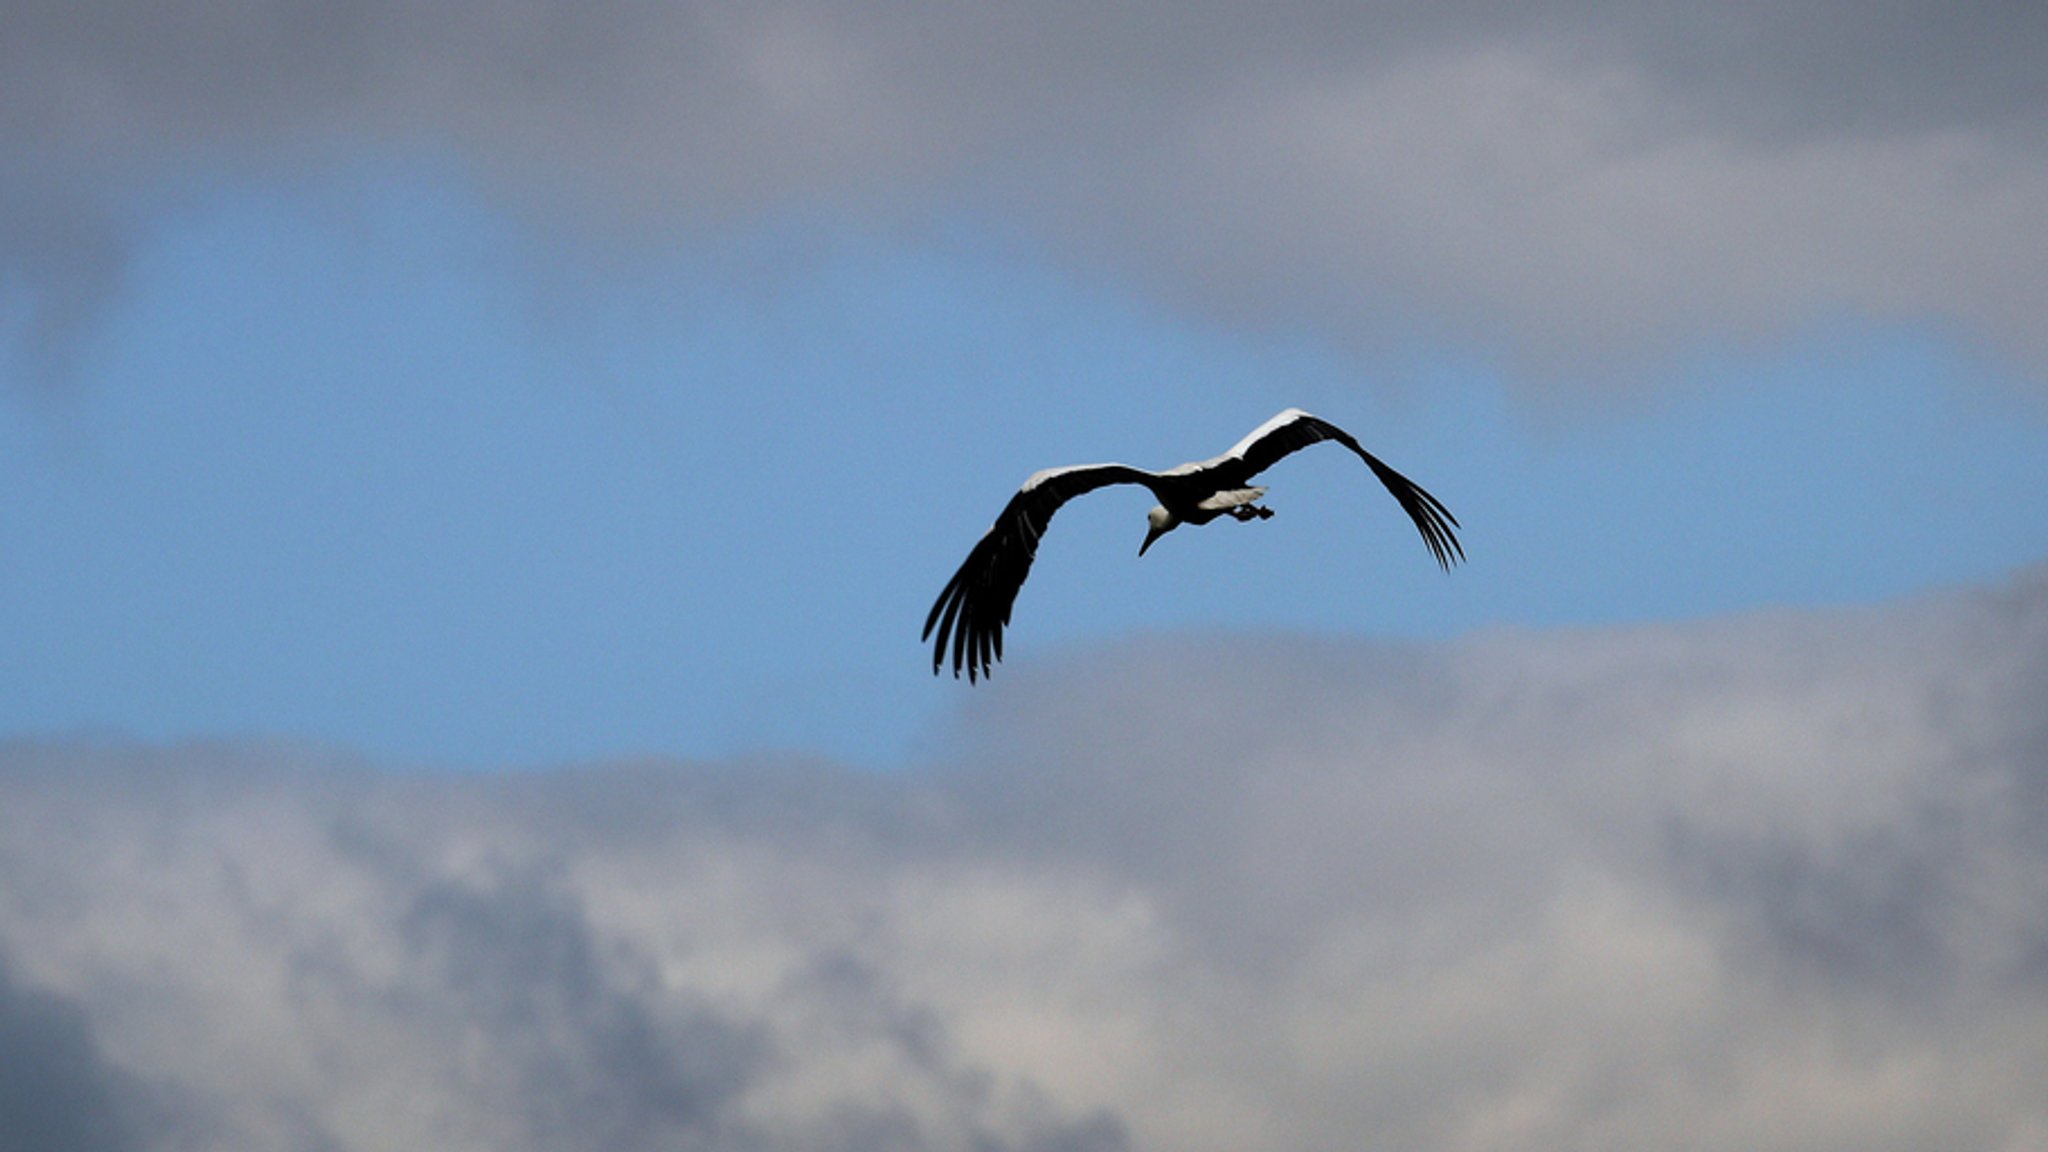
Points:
[969,616]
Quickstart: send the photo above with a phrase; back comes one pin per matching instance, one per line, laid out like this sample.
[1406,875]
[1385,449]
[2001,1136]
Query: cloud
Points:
[321,959]
[1578,185]
[1761,883]
[56,1092]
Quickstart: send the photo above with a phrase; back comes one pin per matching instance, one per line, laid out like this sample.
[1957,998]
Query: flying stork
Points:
[970,614]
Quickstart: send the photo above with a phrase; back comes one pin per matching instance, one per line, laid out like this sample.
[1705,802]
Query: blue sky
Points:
[433,413]
[353,462]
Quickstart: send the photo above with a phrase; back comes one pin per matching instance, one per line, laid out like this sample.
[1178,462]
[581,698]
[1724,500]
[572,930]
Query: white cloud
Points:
[1765,883]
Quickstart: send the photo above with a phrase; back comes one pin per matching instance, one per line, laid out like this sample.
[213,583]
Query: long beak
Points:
[1150,536]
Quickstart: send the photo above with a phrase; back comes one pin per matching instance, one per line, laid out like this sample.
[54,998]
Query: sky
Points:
[472,476]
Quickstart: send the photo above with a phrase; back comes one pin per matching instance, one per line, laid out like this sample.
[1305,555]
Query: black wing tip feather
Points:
[1443,535]
[962,623]
[975,648]
[1436,523]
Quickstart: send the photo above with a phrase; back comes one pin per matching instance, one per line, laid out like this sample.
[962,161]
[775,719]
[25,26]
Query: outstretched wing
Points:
[970,614]
[1293,430]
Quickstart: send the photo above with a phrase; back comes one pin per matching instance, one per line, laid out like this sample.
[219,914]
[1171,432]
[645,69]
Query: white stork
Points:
[970,614]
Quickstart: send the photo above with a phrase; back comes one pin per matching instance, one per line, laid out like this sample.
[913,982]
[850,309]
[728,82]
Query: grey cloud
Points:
[1827,66]
[590,1060]
[1579,185]
[1762,883]
[57,1093]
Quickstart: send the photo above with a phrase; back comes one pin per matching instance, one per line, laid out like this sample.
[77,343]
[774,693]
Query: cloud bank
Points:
[1777,882]
[1572,183]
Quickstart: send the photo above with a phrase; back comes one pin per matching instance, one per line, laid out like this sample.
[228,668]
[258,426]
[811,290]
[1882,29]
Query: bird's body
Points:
[970,614]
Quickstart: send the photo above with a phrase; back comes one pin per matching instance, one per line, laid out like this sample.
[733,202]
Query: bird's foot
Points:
[1249,512]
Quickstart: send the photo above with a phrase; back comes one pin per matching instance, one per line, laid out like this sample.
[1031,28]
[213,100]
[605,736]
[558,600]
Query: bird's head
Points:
[1162,522]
